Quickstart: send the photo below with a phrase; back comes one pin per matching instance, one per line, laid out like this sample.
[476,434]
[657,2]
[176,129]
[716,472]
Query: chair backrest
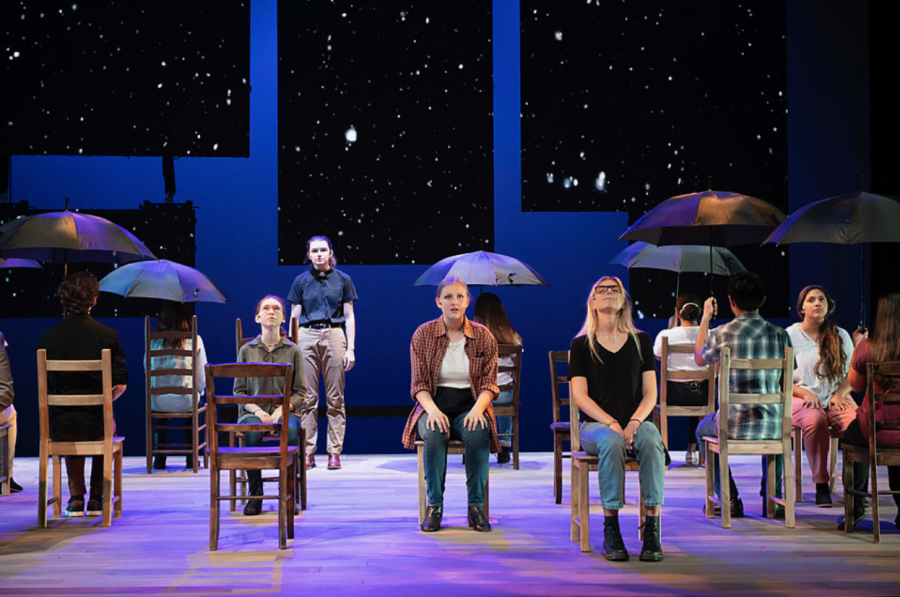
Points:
[104,399]
[515,370]
[295,330]
[665,375]
[888,376]
[214,399]
[239,338]
[163,351]
[727,397]
[558,383]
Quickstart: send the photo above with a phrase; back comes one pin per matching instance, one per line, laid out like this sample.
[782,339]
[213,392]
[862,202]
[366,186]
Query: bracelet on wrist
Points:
[638,421]
[611,423]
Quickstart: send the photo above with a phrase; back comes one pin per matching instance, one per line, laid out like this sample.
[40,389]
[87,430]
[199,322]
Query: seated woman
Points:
[685,392]
[490,313]
[613,380]
[271,346]
[883,347]
[174,317]
[8,411]
[821,390]
[454,380]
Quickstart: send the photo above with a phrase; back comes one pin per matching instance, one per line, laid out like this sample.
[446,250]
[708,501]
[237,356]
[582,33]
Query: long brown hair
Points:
[832,361]
[884,345]
[624,322]
[490,313]
[174,317]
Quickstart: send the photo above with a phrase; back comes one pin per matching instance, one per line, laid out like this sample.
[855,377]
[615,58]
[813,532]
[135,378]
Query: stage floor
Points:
[360,537]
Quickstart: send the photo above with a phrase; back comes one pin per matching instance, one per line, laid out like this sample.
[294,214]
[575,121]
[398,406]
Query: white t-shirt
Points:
[455,367]
[679,335]
[806,351]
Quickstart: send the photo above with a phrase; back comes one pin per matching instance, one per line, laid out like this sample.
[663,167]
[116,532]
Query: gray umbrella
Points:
[482,268]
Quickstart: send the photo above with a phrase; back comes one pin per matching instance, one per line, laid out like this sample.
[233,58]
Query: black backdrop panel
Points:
[385,129]
[125,78]
[627,104]
[166,229]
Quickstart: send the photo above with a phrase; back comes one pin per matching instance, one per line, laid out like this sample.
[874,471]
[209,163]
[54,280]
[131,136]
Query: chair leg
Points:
[788,484]
[57,487]
[515,442]
[798,462]
[710,481]
[584,507]
[832,465]
[557,468]
[117,483]
[873,489]
[573,503]
[232,486]
[292,495]
[214,490]
[107,489]
[420,456]
[42,490]
[848,497]
[770,487]
[726,489]
[282,507]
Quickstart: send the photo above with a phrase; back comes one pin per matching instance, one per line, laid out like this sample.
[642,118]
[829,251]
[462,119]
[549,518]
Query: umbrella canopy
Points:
[679,258]
[67,237]
[13,262]
[162,279]
[713,218]
[846,220]
[482,269]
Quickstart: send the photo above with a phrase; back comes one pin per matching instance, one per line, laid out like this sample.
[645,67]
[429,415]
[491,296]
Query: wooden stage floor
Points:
[360,537]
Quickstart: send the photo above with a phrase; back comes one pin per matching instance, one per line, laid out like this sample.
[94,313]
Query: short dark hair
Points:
[78,292]
[747,290]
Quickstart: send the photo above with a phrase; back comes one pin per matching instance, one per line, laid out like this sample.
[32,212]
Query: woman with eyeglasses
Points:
[613,381]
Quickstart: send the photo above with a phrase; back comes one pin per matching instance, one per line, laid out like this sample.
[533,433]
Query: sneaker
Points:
[691,458]
[823,496]
[94,507]
[75,509]
[13,486]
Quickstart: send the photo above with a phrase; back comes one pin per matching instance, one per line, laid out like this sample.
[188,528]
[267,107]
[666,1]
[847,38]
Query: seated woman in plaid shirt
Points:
[454,380]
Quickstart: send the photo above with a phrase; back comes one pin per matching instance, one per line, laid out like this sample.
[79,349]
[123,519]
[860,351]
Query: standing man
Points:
[322,303]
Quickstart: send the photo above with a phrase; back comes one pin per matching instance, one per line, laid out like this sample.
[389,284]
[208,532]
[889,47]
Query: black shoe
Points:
[858,516]
[159,462]
[13,486]
[477,519]
[779,512]
[189,461]
[652,549]
[75,509]
[823,496]
[254,507]
[95,507]
[737,509]
[613,546]
[433,517]
[503,455]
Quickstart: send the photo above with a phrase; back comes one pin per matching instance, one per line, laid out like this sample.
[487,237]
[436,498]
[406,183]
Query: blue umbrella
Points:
[678,258]
[482,269]
[164,280]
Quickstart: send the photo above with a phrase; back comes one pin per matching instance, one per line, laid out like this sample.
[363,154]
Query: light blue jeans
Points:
[599,440]
[504,424]
[478,453]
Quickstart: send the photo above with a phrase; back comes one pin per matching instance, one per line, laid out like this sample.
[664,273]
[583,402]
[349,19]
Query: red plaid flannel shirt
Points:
[426,352]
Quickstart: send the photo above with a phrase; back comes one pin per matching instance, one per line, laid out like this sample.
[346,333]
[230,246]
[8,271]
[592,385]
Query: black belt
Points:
[320,325]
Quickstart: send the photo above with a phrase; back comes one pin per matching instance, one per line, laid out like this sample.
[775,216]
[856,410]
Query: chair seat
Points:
[561,427]
[254,451]
[83,448]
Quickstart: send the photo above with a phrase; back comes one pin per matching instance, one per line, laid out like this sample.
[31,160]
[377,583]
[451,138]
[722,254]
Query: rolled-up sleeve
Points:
[418,359]
[487,379]
[711,352]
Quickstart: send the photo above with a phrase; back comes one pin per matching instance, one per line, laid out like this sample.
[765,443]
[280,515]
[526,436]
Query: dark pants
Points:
[854,437]
[691,393]
[253,439]
[75,468]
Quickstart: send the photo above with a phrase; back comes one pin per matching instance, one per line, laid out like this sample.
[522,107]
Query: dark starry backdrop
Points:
[385,129]
[648,99]
[166,229]
[166,77]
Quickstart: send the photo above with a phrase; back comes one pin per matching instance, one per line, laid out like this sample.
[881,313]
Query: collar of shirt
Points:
[441,329]
[319,275]
[259,343]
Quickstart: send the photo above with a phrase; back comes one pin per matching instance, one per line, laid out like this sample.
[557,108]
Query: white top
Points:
[176,403]
[806,351]
[505,378]
[679,335]
[455,367]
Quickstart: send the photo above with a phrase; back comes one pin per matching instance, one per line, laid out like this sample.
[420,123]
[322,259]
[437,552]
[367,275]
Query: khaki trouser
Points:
[323,353]
[8,415]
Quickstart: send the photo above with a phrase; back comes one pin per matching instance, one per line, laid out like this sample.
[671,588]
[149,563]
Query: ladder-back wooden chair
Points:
[109,447]
[190,422]
[724,446]
[663,409]
[561,428]
[283,457]
[873,455]
[511,409]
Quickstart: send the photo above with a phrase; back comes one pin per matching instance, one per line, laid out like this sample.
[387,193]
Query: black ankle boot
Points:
[254,507]
[613,546]
[652,550]
[159,462]
[433,517]
[477,519]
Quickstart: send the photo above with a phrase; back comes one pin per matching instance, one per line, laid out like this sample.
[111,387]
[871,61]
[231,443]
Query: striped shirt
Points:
[806,351]
[749,336]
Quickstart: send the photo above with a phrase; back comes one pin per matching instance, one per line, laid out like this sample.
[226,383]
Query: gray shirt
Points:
[285,352]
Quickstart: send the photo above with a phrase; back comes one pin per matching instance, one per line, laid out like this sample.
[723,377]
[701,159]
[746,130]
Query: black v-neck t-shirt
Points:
[615,384]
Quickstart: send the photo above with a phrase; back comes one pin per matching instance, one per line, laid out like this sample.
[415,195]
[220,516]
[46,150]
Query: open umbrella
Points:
[68,237]
[482,269]
[847,220]
[13,262]
[162,279]
[679,258]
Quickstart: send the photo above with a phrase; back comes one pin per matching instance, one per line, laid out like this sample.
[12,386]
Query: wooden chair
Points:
[512,409]
[562,430]
[797,436]
[4,459]
[283,457]
[110,447]
[873,455]
[455,447]
[663,410]
[723,446]
[582,464]
[190,422]
[240,340]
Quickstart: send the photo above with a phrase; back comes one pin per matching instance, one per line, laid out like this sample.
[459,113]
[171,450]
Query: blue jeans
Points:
[601,441]
[478,452]
[253,439]
[504,424]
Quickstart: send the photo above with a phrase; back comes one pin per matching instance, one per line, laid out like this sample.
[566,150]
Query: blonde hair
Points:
[624,321]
